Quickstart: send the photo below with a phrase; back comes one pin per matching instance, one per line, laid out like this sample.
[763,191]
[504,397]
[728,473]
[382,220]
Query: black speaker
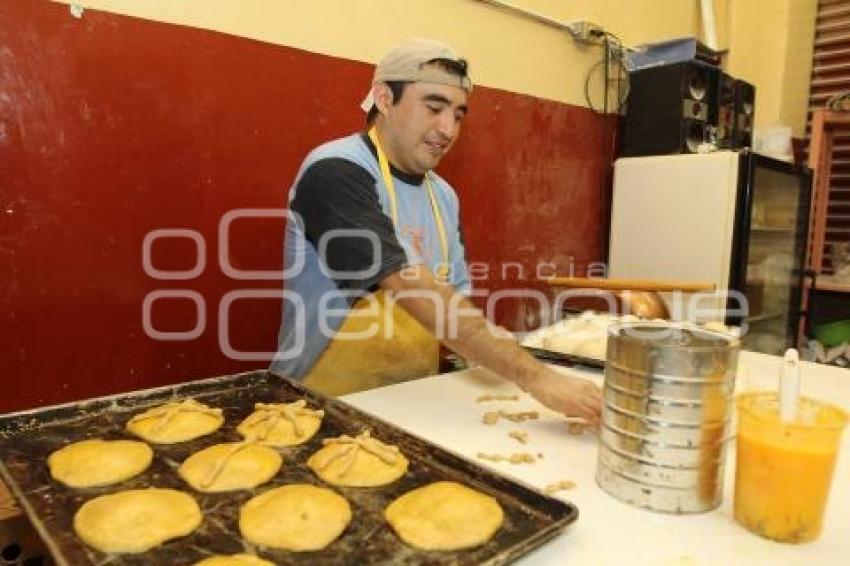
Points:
[726,111]
[670,109]
[745,113]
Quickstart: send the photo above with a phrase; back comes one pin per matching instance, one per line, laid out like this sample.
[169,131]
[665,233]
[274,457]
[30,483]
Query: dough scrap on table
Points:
[492,417]
[361,461]
[515,458]
[444,516]
[562,485]
[520,416]
[136,520]
[234,560]
[95,463]
[177,421]
[519,435]
[496,397]
[281,424]
[230,466]
[576,428]
[297,517]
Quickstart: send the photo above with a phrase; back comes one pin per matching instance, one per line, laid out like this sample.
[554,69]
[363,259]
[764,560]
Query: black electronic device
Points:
[745,105]
[726,111]
[671,109]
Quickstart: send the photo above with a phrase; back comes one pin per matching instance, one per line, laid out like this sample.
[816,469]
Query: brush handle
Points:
[789,386]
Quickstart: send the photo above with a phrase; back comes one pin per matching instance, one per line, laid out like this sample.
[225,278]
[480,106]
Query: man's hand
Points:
[572,396]
[480,342]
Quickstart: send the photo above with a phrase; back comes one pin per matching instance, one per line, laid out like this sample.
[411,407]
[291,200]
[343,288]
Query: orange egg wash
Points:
[784,469]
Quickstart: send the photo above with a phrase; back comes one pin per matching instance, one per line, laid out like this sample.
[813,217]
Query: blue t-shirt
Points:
[341,242]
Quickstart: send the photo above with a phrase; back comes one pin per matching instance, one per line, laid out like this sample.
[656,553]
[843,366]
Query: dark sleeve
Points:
[337,194]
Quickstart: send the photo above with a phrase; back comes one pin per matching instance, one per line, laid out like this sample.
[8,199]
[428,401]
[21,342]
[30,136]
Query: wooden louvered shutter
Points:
[831,76]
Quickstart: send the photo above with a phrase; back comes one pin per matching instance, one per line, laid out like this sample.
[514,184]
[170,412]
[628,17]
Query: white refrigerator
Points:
[735,219]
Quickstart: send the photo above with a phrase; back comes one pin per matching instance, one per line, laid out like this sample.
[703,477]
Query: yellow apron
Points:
[347,366]
[401,349]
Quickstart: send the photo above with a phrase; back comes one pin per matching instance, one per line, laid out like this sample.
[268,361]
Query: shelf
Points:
[827,284]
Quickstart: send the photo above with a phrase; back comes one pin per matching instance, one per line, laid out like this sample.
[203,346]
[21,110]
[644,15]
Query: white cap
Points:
[408,61]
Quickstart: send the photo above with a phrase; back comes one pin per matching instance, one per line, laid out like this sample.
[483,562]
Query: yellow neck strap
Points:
[384,164]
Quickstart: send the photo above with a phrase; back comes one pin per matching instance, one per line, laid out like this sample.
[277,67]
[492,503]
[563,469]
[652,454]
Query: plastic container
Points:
[832,333]
[774,141]
[784,470]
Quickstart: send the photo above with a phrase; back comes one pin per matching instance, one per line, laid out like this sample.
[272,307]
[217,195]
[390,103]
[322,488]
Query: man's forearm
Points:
[492,347]
[461,327]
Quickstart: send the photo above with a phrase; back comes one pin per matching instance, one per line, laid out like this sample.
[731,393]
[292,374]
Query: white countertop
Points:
[443,409]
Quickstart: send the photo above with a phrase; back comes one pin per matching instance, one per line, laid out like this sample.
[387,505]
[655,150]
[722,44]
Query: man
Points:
[374,227]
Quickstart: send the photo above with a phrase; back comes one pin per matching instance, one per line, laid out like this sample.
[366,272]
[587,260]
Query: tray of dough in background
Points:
[580,339]
[562,359]
[27,438]
[583,339]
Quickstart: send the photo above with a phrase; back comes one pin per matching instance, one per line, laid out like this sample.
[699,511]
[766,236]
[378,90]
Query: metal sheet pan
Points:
[26,439]
[533,342]
[564,359]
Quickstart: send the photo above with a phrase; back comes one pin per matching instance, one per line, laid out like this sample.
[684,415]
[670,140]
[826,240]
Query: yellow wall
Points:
[769,41]
[798,65]
[505,51]
[770,45]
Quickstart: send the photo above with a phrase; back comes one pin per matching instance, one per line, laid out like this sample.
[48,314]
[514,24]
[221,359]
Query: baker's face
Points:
[423,126]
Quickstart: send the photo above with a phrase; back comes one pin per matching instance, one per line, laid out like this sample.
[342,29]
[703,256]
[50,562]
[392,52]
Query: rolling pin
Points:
[630,284]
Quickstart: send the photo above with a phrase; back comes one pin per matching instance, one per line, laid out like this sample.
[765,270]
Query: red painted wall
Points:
[111,127]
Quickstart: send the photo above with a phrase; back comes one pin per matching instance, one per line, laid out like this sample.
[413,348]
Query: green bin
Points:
[832,333]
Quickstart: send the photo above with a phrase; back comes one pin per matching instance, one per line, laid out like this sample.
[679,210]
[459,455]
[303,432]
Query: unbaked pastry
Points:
[178,421]
[585,335]
[230,466]
[234,560]
[361,461]
[444,516]
[136,520]
[297,517]
[281,424]
[94,463]
[583,344]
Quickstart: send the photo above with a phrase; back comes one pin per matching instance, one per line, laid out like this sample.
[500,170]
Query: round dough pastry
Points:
[295,517]
[578,344]
[230,466]
[358,462]
[281,424]
[178,421]
[593,349]
[585,335]
[444,516]
[136,520]
[234,560]
[94,463]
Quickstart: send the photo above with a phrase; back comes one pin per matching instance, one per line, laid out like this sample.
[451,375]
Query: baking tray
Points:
[564,359]
[533,343]
[27,438]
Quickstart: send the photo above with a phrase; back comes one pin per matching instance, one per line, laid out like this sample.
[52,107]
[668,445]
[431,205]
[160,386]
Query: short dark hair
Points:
[454,67]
